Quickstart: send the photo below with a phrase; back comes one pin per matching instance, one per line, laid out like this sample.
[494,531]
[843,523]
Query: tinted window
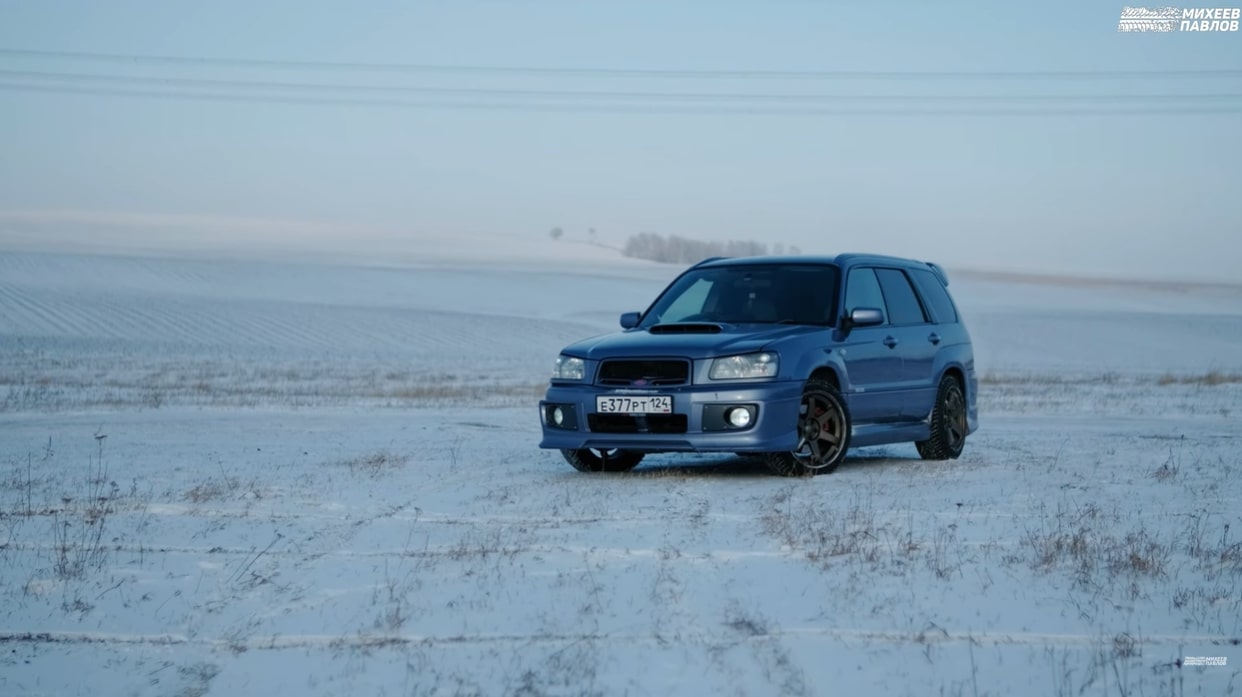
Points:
[936,296]
[863,290]
[903,304]
[807,294]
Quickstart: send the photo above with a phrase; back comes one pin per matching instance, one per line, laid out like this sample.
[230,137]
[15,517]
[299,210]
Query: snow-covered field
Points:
[253,477]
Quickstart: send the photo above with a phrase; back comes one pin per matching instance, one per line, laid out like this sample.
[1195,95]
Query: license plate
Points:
[645,404]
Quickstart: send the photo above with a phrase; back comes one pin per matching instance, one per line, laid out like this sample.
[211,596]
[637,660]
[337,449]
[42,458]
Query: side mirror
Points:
[629,320]
[865,317]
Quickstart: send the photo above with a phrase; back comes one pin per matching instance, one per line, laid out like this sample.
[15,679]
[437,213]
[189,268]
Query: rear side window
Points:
[936,296]
[903,304]
[863,290]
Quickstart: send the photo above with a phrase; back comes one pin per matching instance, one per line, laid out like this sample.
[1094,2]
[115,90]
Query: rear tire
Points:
[612,460]
[823,434]
[948,423]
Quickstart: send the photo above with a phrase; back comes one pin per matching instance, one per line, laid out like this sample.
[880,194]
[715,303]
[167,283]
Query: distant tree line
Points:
[672,249]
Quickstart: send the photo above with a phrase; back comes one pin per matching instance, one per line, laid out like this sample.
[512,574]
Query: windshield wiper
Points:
[803,322]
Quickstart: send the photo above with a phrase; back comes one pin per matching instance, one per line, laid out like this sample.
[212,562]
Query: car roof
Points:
[841,260]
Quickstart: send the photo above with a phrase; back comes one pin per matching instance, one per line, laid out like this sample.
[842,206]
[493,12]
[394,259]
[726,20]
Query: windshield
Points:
[747,294]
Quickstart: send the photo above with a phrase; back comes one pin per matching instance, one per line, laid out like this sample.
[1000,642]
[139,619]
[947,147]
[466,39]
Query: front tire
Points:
[948,423]
[612,460]
[823,434]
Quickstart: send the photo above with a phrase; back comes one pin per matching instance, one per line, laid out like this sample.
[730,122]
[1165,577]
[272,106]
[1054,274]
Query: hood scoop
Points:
[686,328]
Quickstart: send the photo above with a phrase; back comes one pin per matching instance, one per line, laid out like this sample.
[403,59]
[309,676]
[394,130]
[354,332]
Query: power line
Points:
[717,110]
[598,72]
[594,95]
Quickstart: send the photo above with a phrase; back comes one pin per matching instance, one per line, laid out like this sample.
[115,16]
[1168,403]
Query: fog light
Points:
[558,416]
[739,417]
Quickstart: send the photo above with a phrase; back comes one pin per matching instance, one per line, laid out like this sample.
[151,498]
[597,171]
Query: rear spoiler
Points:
[944,278]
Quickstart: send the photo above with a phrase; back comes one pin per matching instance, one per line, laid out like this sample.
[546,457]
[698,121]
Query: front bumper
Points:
[772,429]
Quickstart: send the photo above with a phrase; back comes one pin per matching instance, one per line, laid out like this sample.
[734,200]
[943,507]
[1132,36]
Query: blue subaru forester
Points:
[794,359]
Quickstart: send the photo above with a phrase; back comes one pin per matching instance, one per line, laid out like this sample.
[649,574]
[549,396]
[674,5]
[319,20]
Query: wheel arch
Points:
[827,374]
[955,371]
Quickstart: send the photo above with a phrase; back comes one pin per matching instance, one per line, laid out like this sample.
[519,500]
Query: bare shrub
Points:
[78,525]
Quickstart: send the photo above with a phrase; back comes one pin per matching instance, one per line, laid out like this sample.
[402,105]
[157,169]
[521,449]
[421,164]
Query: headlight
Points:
[751,365]
[569,368]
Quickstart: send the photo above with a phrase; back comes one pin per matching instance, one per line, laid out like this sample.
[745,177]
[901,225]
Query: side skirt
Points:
[883,434]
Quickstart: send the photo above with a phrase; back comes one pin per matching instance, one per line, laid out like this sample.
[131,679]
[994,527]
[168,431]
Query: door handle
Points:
[934,338]
[890,342]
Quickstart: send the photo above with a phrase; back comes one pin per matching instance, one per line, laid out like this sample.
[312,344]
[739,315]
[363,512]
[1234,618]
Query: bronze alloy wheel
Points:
[823,434]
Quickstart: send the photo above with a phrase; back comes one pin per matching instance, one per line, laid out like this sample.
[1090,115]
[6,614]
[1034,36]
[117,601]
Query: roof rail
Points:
[708,261]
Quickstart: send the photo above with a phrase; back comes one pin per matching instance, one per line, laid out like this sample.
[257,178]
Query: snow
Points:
[243,476]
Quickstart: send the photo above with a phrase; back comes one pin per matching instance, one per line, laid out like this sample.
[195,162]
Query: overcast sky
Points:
[1128,192]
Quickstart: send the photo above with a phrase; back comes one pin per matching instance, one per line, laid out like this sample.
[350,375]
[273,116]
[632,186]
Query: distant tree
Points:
[680,250]
[556,233]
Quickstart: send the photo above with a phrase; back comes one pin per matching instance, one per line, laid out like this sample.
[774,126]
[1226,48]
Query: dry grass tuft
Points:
[1211,378]
[376,463]
[213,490]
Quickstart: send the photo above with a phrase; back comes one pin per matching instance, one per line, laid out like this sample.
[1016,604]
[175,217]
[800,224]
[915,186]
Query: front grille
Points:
[653,373]
[648,423]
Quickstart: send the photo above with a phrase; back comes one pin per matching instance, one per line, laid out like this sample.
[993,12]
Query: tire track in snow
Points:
[457,550]
[452,550]
[197,512]
[685,636]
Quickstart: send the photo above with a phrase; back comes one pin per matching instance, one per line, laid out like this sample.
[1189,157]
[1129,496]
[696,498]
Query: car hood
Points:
[698,341]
